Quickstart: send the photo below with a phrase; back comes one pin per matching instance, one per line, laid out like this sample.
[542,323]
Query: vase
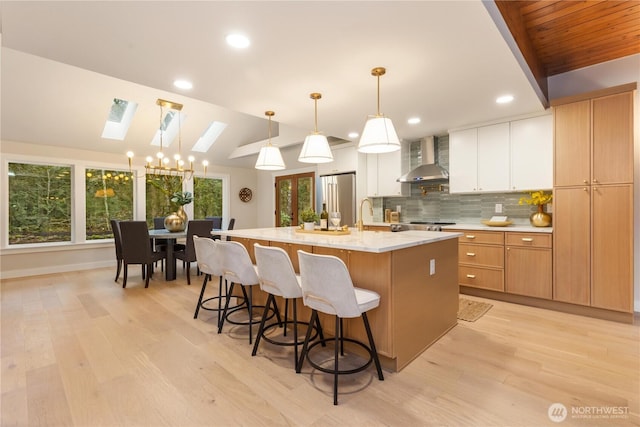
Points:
[540,218]
[309,226]
[176,221]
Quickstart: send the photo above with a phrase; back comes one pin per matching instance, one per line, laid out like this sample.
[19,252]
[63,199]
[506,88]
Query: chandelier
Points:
[164,165]
[379,135]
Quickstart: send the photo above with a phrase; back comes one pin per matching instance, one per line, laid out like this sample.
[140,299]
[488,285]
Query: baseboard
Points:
[599,313]
[52,269]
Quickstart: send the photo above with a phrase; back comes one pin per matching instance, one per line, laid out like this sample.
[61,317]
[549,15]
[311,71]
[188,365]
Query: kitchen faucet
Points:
[360,224]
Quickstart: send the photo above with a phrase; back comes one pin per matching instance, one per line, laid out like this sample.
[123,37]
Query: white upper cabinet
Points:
[345,159]
[532,153]
[510,156]
[383,170]
[479,159]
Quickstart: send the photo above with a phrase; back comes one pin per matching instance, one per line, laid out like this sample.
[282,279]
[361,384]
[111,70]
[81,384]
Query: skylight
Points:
[209,137]
[119,119]
[170,127]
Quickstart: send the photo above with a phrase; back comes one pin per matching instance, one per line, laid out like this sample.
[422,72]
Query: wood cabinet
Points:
[292,250]
[528,262]
[383,170]
[481,259]
[510,156]
[593,199]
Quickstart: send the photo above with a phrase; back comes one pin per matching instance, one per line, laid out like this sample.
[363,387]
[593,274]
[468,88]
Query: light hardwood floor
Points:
[78,350]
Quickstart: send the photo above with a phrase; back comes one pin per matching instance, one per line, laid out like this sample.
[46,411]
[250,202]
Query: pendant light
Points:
[316,147]
[270,158]
[379,135]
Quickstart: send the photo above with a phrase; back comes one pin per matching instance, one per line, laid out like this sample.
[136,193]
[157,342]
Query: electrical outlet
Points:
[432,267]
[498,207]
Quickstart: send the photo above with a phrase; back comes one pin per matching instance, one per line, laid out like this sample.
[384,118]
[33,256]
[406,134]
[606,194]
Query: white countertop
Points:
[520,228]
[365,241]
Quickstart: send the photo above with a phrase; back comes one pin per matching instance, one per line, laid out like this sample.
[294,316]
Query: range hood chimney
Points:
[428,169]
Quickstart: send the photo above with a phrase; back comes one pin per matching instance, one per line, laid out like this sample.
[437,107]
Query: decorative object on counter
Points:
[245,194]
[270,158]
[497,223]
[470,311]
[309,218]
[342,231]
[394,217]
[177,221]
[387,215]
[538,198]
[316,146]
[378,135]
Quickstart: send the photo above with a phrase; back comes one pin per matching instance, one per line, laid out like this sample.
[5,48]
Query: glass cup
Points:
[335,219]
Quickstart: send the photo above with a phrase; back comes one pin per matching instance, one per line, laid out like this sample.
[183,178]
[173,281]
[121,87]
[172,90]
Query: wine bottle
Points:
[324,218]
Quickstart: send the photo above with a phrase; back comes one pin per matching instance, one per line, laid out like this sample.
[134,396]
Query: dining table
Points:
[171,236]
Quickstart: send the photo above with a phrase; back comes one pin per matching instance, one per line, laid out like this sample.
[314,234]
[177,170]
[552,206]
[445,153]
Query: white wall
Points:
[601,76]
[25,260]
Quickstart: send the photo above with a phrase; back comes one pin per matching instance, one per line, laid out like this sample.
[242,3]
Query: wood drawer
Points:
[483,237]
[490,256]
[477,277]
[530,240]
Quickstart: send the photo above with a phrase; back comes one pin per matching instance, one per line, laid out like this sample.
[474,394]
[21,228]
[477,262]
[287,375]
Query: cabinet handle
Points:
[470,236]
[585,189]
[471,276]
[584,181]
[527,239]
[471,254]
[595,180]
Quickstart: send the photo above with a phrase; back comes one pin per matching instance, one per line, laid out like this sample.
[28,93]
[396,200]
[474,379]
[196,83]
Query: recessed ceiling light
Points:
[505,99]
[353,134]
[183,84]
[413,120]
[238,41]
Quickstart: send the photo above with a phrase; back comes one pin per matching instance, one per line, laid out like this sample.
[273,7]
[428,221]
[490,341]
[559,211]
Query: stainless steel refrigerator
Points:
[339,193]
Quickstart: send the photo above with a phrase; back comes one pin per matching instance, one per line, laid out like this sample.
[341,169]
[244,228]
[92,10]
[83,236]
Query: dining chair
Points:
[117,239]
[327,288]
[137,249]
[232,223]
[187,252]
[217,221]
[159,244]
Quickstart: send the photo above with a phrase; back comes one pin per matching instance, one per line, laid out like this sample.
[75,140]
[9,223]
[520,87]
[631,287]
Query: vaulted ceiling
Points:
[447,61]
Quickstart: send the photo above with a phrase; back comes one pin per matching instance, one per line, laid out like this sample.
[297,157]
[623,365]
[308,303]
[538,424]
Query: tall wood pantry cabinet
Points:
[593,199]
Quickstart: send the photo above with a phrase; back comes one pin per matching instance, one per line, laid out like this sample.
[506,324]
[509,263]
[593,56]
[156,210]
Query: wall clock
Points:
[245,194]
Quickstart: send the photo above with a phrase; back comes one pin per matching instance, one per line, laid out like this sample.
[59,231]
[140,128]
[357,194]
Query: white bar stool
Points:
[327,288]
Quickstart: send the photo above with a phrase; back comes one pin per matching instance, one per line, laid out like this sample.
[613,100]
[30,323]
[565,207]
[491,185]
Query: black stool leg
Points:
[374,352]
[295,330]
[226,308]
[262,322]
[305,346]
[204,286]
[337,338]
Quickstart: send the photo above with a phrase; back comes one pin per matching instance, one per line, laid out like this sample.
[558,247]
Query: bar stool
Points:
[238,269]
[327,288]
[278,278]
[209,264]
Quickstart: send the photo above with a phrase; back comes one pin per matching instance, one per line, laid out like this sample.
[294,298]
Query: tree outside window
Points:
[39,203]
[207,197]
[159,189]
[109,196]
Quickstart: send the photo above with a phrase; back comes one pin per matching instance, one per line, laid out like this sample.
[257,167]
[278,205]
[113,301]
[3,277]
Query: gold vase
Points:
[540,218]
[176,221]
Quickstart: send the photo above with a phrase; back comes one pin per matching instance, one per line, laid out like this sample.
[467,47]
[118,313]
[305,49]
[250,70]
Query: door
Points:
[294,193]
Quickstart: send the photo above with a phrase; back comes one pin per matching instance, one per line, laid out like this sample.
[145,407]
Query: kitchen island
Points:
[415,273]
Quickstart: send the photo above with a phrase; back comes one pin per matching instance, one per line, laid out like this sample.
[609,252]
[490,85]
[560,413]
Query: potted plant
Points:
[309,218]
[540,218]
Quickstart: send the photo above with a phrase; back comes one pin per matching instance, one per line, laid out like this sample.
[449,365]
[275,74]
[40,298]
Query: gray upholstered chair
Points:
[327,288]
[137,249]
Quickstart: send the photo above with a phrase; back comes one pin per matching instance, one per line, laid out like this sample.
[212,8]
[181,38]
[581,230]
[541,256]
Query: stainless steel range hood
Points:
[428,170]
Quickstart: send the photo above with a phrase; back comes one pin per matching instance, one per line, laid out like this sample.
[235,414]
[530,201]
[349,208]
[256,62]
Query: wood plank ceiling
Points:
[556,36]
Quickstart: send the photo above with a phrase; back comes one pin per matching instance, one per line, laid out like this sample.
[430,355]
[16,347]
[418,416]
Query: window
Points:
[119,119]
[39,203]
[109,195]
[159,189]
[207,194]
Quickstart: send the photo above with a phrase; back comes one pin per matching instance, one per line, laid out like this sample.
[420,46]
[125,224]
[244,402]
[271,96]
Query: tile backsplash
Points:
[442,206]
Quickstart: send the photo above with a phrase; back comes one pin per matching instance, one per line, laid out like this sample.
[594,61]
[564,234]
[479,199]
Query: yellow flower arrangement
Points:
[536,198]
